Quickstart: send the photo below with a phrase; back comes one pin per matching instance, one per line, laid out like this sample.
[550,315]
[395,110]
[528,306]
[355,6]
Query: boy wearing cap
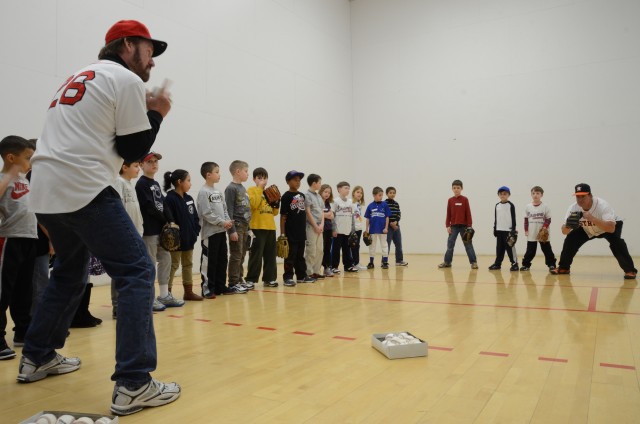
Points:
[293,224]
[504,224]
[100,116]
[598,220]
[154,217]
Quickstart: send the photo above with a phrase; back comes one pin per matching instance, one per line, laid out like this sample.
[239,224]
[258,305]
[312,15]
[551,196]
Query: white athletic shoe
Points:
[29,372]
[154,393]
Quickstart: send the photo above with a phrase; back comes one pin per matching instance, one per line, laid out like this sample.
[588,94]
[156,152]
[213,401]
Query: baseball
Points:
[65,419]
[46,419]
[103,420]
[83,420]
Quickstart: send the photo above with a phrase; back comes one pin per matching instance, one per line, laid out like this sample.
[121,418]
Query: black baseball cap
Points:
[293,174]
[582,189]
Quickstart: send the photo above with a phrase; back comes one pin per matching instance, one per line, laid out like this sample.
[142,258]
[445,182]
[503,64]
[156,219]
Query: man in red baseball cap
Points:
[101,115]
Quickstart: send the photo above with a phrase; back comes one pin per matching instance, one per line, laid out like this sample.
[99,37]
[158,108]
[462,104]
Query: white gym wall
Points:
[378,92]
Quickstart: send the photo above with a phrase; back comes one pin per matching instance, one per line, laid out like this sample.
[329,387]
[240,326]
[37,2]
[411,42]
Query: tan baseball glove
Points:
[543,235]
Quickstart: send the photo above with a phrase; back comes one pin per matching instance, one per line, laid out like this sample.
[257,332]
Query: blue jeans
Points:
[451,243]
[395,236]
[104,228]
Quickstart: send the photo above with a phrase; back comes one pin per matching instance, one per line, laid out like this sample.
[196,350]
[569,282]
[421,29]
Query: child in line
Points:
[315,227]
[537,216]
[377,215]
[457,221]
[214,222]
[18,240]
[127,192]
[240,212]
[154,217]
[293,218]
[263,227]
[327,234]
[357,196]
[503,225]
[183,208]
[343,224]
[394,235]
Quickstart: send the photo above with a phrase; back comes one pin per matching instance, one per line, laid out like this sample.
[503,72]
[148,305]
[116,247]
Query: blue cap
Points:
[504,188]
[293,174]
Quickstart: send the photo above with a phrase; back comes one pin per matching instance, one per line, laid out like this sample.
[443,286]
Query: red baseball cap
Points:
[132,28]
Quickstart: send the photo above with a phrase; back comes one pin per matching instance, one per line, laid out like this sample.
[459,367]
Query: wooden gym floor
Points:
[521,347]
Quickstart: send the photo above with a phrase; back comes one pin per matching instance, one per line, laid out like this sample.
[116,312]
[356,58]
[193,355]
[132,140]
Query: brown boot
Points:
[190,295]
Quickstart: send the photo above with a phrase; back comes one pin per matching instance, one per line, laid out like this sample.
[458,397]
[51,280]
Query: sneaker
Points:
[7,353]
[30,372]
[444,265]
[317,276]
[514,267]
[335,270]
[225,291]
[157,306]
[371,266]
[154,393]
[271,284]
[627,276]
[307,279]
[328,273]
[525,268]
[289,283]
[402,263]
[494,267]
[238,288]
[170,302]
[474,265]
[552,267]
[385,265]
[360,267]
[248,285]
[559,271]
[351,269]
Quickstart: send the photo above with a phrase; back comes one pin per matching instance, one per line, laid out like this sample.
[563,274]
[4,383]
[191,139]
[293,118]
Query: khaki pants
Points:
[184,258]
[314,250]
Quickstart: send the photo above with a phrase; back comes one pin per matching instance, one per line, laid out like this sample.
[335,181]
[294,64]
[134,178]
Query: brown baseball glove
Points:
[272,195]
[543,235]
[282,246]
[170,237]
[366,237]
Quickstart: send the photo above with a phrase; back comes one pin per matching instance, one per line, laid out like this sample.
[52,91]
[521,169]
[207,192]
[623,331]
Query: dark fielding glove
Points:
[573,220]
[170,237]
[513,238]
[366,237]
[468,234]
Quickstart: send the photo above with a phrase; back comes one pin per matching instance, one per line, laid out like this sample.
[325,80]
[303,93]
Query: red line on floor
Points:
[202,320]
[448,349]
[593,300]
[624,367]
[432,302]
[494,354]
[303,333]
[266,328]
[344,338]
[174,316]
[542,358]
[232,323]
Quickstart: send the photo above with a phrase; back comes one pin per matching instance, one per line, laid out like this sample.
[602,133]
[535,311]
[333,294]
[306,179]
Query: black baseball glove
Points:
[468,234]
[573,220]
[512,238]
[170,237]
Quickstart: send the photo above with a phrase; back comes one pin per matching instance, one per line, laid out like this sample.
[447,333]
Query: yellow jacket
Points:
[262,215]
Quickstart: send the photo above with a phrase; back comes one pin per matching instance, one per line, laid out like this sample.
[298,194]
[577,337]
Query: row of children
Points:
[537,217]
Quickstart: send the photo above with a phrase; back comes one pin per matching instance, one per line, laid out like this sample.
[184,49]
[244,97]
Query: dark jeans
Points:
[532,247]
[576,238]
[502,246]
[104,228]
[327,237]
[395,236]
[295,261]
[341,242]
[451,243]
[17,261]
[213,263]
[355,251]
[263,247]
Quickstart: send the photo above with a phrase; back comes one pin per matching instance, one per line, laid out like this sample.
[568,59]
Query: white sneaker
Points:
[171,302]
[154,393]
[248,285]
[29,372]
[361,266]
